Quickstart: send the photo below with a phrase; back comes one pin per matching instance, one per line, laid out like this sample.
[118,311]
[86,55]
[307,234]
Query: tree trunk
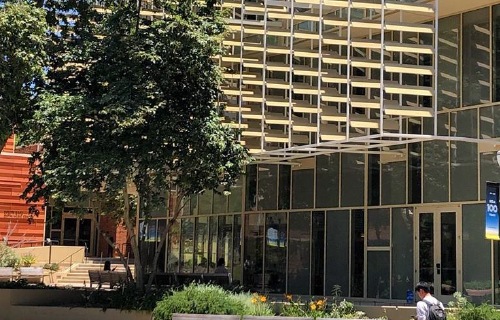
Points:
[134,243]
[177,211]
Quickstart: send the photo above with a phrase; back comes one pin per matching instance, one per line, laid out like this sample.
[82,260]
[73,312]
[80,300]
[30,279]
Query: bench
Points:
[31,274]
[6,274]
[110,277]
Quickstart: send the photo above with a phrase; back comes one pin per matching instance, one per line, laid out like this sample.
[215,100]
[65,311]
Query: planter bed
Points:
[186,316]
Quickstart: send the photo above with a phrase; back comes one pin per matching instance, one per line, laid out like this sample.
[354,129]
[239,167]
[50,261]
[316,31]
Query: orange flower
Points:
[313,306]
[263,299]
[254,301]
[289,297]
[320,302]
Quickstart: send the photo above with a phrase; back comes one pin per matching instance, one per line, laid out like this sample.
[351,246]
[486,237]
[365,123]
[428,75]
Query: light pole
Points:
[49,242]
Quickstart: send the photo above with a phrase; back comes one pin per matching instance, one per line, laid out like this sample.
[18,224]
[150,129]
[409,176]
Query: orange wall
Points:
[9,145]
[14,212]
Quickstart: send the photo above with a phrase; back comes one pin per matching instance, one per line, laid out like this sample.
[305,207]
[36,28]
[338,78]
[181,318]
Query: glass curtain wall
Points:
[299,253]
[276,252]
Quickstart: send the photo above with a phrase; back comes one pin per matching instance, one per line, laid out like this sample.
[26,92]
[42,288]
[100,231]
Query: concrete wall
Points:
[391,312]
[58,254]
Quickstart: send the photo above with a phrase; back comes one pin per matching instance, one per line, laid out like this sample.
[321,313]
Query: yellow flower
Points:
[321,302]
[254,301]
[313,306]
[263,299]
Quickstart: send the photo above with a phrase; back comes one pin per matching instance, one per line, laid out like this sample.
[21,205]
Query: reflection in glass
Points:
[327,181]
[254,242]
[235,197]
[436,164]
[476,276]
[394,183]
[402,252]
[173,248]
[379,234]
[426,247]
[415,163]
[276,246]
[449,63]
[378,283]
[201,245]
[251,188]
[490,170]
[476,57]
[237,241]
[337,253]
[69,232]
[299,253]
[205,202]
[357,252]
[268,187]
[303,188]
[162,228]
[448,253]
[187,245]
[318,253]
[212,243]
[220,201]
[285,179]
[373,179]
[225,243]
[353,178]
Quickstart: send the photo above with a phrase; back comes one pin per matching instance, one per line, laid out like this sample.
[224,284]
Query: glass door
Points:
[438,249]
[69,234]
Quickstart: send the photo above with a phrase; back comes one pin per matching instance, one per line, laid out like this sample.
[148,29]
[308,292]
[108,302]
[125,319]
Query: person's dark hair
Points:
[221,262]
[107,265]
[424,286]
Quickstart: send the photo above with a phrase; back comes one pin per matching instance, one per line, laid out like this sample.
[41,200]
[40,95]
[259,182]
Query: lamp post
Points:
[49,242]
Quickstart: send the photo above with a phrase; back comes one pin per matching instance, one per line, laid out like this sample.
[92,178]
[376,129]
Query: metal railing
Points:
[70,257]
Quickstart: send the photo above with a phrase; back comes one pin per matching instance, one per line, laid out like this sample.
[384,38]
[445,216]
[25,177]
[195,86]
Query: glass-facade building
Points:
[368,225]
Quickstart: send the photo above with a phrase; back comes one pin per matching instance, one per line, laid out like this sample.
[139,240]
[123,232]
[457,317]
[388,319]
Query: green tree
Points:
[144,115]
[22,60]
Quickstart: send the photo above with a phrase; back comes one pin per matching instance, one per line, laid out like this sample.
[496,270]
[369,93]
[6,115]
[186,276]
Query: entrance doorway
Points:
[438,248]
[78,232]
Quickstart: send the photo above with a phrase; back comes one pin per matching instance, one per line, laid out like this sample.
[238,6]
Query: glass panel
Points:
[426,247]
[415,163]
[436,163]
[173,248]
[496,53]
[268,187]
[476,276]
[205,202]
[299,252]
[254,244]
[357,252]
[448,253]
[490,170]
[303,189]
[402,252]
[476,57]
[160,208]
[69,231]
[379,233]
[235,197]
[237,240]
[225,244]
[378,283]
[147,244]
[220,201]
[394,183]
[318,253]
[463,156]
[201,245]
[84,234]
[285,180]
[187,245]
[353,178]
[275,268]
[193,205]
[212,242]
[327,181]
[373,179]
[162,228]
[449,63]
[251,188]
[337,248]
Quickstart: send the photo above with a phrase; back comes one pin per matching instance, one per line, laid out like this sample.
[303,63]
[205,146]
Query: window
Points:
[476,57]
[373,179]
[303,188]
[378,281]
[327,181]
[318,253]
[237,242]
[402,252]
[212,242]
[285,179]
[205,202]
[220,201]
[299,252]
[337,249]
[251,188]
[268,187]
[490,170]
[254,242]
[415,163]
[225,240]
[394,182]
[187,245]
[496,53]
[276,246]
[449,63]
[173,248]
[357,252]
[201,245]
[353,178]
[379,231]
[235,197]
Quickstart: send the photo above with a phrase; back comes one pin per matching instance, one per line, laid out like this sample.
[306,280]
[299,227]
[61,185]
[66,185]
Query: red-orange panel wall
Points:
[14,212]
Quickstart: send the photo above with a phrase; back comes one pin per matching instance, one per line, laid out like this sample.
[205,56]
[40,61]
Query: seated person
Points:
[107,266]
[221,269]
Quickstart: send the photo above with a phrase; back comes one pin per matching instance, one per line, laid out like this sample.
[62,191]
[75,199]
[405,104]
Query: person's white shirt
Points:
[423,308]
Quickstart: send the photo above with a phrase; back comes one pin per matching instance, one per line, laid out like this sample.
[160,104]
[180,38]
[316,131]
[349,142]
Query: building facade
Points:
[362,223]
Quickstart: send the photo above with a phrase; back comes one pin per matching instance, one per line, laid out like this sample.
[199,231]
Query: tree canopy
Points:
[138,106]
[23,41]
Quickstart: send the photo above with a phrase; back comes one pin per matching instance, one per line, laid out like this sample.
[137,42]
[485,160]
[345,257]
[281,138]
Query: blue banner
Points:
[492,214]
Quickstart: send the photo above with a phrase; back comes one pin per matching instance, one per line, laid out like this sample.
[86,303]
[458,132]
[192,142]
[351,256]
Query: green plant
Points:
[198,299]
[294,308]
[461,309]
[27,260]
[253,304]
[7,256]
[54,267]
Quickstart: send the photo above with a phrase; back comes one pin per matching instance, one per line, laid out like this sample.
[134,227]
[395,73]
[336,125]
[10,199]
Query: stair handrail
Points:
[70,257]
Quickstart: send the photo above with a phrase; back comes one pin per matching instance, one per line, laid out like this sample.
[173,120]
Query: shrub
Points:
[464,310]
[7,256]
[28,260]
[51,266]
[254,305]
[198,299]
[320,309]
